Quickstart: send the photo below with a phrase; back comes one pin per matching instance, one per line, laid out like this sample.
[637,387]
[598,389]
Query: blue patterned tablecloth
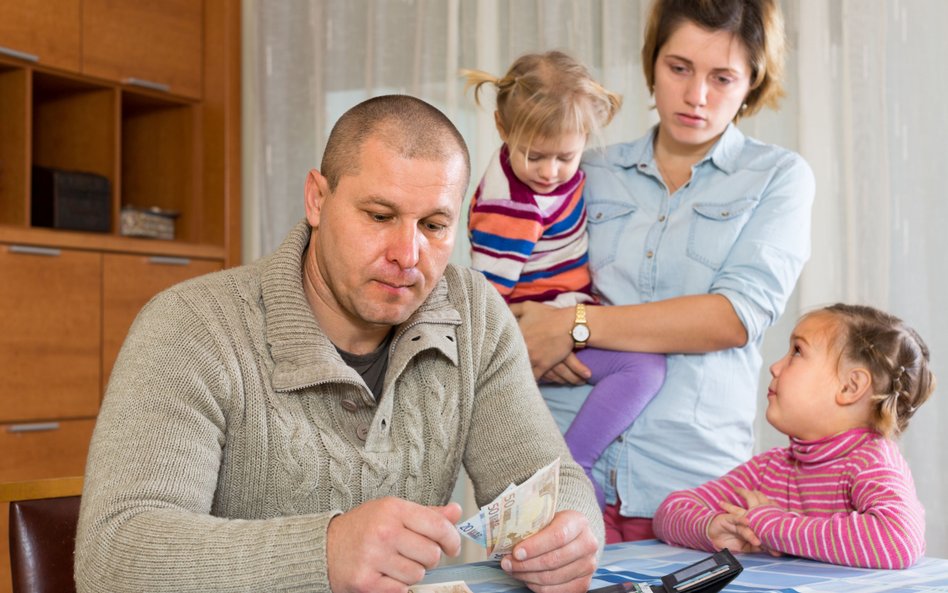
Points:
[648,560]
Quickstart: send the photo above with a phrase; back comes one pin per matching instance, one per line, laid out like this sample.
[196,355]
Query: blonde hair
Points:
[547,95]
[758,24]
[894,354]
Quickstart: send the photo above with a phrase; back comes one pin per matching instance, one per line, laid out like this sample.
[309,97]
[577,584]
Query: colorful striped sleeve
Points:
[502,239]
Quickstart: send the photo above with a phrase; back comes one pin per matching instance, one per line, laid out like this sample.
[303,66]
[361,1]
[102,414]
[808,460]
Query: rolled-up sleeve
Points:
[765,262]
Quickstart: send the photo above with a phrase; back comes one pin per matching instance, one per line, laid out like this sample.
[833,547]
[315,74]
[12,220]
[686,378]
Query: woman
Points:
[697,237]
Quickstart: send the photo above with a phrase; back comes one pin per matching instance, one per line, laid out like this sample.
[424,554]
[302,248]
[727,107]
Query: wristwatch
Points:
[580,331]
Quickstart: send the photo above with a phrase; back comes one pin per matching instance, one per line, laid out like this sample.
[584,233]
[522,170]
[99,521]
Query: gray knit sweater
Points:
[232,432]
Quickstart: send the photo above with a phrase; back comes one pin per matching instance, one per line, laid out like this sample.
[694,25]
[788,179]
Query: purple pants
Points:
[624,382]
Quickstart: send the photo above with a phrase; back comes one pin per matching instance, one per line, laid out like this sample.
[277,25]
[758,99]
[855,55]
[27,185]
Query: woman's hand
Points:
[571,371]
[546,329]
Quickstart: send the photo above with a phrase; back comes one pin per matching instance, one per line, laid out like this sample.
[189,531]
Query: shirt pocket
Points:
[715,228]
[605,223]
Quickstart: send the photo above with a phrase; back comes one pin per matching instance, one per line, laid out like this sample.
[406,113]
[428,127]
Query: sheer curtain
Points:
[871,73]
[863,82]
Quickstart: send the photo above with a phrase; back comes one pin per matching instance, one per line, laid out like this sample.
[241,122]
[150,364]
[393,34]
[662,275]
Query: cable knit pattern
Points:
[847,499]
[232,431]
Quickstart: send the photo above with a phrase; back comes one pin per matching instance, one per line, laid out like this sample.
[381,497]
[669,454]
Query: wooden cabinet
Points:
[76,94]
[51,301]
[128,282]
[67,297]
[174,145]
[155,44]
[65,315]
[50,449]
[41,31]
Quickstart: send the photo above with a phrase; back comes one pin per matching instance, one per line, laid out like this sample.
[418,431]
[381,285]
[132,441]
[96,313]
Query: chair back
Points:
[43,518]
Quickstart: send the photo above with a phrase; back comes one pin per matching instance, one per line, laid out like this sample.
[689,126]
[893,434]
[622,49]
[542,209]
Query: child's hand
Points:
[730,530]
[752,498]
[738,517]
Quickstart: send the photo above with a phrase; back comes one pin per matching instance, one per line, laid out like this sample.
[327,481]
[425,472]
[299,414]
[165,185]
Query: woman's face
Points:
[701,80]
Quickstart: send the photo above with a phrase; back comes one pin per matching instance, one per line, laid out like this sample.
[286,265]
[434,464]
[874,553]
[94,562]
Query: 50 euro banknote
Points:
[519,512]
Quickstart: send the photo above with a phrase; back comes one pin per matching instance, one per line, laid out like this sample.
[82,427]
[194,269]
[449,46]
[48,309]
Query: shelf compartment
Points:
[75,126]
[160,162]
[14,146]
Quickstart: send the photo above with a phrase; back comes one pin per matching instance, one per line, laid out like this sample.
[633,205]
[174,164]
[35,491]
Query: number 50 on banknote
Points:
[519,512]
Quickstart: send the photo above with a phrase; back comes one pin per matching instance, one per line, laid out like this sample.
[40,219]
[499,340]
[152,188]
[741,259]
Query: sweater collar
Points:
[832,447]
[302,354]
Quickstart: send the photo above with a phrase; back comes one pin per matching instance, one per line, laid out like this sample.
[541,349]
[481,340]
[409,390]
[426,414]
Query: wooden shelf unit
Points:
[147,95]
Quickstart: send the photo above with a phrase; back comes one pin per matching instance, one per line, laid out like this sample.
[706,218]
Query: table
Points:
[646,561]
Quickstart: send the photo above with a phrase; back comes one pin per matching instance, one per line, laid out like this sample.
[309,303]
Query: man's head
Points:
[408,126]
[384,212]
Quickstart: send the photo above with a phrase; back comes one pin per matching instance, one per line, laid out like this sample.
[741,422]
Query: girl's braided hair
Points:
[896,357]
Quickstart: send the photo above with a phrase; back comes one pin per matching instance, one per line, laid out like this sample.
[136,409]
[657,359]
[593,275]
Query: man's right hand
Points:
[385,545]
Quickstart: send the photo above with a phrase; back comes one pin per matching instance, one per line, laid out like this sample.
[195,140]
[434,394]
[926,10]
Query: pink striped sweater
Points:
[847,499]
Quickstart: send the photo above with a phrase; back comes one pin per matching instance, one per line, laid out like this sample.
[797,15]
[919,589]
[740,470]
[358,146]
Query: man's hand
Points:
[560,558]
[385,545]
[545,330]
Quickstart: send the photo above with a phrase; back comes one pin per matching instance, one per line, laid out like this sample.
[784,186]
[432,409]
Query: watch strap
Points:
[580,320]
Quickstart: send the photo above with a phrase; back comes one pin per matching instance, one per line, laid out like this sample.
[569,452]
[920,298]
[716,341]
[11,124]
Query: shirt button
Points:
[661,218]
[349,405]
[619,439]
[650,254]
[725,213]
[362,431]
[598,215]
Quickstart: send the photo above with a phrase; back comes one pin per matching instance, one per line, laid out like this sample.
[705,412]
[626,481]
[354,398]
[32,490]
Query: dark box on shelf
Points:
[71,200]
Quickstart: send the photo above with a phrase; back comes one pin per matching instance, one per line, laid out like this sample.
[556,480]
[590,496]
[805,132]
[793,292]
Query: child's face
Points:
[549,162]
[801,399]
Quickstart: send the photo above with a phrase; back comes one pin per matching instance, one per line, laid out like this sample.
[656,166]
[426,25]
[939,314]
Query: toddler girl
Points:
[528,228]
[841,492]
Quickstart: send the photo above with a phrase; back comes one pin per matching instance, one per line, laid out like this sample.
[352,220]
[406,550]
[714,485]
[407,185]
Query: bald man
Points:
[298,424]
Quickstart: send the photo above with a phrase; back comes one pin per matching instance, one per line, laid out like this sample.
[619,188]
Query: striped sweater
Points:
[847,499]
[529,246]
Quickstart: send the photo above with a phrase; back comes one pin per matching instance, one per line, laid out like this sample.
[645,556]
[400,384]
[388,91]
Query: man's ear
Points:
[857,383]
[500,126]
[316,192]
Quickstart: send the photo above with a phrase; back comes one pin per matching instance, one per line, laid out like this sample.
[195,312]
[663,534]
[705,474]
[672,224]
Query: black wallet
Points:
[709,575]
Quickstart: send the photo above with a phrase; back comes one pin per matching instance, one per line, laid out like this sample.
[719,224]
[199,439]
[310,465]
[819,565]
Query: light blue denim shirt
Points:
[740,228]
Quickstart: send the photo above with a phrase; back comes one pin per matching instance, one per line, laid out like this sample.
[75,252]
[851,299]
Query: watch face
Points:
[580,333]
